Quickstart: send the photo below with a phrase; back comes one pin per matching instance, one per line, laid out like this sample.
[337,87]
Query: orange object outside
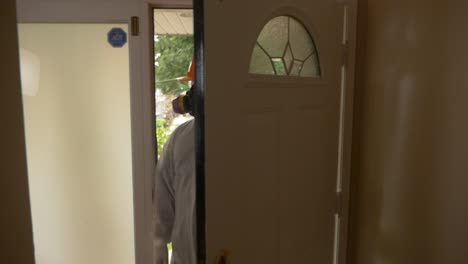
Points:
[190,74]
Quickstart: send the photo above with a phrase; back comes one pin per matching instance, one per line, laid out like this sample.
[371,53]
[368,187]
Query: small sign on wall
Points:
[117,37]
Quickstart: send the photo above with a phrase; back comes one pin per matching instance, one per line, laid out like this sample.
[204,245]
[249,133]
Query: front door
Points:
[274,92]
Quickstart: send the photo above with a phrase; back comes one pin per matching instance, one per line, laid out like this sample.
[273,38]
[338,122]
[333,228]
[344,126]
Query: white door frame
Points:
[141,91]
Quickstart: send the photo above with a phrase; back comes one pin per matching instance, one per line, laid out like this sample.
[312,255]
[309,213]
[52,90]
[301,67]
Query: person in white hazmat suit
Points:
[174,195]
[174,200]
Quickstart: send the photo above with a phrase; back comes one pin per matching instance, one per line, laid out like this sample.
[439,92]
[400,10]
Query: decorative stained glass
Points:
[285,47]
[296,68]
[260,63]
[300,40]
[276,30]
[280,69]
[311,67]
[288,58]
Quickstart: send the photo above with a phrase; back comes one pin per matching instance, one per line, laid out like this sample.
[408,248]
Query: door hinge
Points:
[135,25]
[339,203]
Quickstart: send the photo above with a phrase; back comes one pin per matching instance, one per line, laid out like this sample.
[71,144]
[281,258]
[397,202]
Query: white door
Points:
[90,144]
[275,121]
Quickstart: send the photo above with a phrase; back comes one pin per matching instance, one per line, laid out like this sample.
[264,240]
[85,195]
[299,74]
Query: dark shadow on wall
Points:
[16,228]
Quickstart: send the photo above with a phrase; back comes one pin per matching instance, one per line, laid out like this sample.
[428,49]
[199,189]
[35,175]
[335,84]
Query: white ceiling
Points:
[173,21]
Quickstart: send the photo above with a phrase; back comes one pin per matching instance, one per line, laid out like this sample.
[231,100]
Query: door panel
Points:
[271,141]
[78,143]
[140,96]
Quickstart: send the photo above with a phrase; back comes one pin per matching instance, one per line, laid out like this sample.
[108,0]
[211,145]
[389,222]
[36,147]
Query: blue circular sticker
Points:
[117,37]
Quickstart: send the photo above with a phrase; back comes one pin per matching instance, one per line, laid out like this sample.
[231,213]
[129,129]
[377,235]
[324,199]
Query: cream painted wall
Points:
[411,148]
[79,146]
[16,240]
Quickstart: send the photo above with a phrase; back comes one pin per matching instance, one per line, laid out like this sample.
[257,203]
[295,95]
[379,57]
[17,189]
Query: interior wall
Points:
[15,224]
[410,145]
[79,145]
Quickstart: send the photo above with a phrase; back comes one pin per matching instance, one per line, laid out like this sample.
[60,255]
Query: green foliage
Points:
[161,134]
[173,57]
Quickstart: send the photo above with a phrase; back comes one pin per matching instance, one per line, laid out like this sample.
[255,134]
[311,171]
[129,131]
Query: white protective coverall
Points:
[174,198]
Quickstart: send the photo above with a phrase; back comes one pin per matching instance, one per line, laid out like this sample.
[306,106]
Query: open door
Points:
[276,123]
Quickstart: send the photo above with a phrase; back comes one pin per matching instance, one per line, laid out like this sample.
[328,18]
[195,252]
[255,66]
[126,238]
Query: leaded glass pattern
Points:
[284,47]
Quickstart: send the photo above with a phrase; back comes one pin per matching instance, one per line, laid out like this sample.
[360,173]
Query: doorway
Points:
[173,53]
[173,58]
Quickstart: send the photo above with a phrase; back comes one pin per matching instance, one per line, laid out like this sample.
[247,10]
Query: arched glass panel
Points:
[285,47]
[261,62]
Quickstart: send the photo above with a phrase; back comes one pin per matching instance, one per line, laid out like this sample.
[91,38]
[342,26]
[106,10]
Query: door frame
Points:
[141,92]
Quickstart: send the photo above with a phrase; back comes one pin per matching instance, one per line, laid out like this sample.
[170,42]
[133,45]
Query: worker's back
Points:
[175,195]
